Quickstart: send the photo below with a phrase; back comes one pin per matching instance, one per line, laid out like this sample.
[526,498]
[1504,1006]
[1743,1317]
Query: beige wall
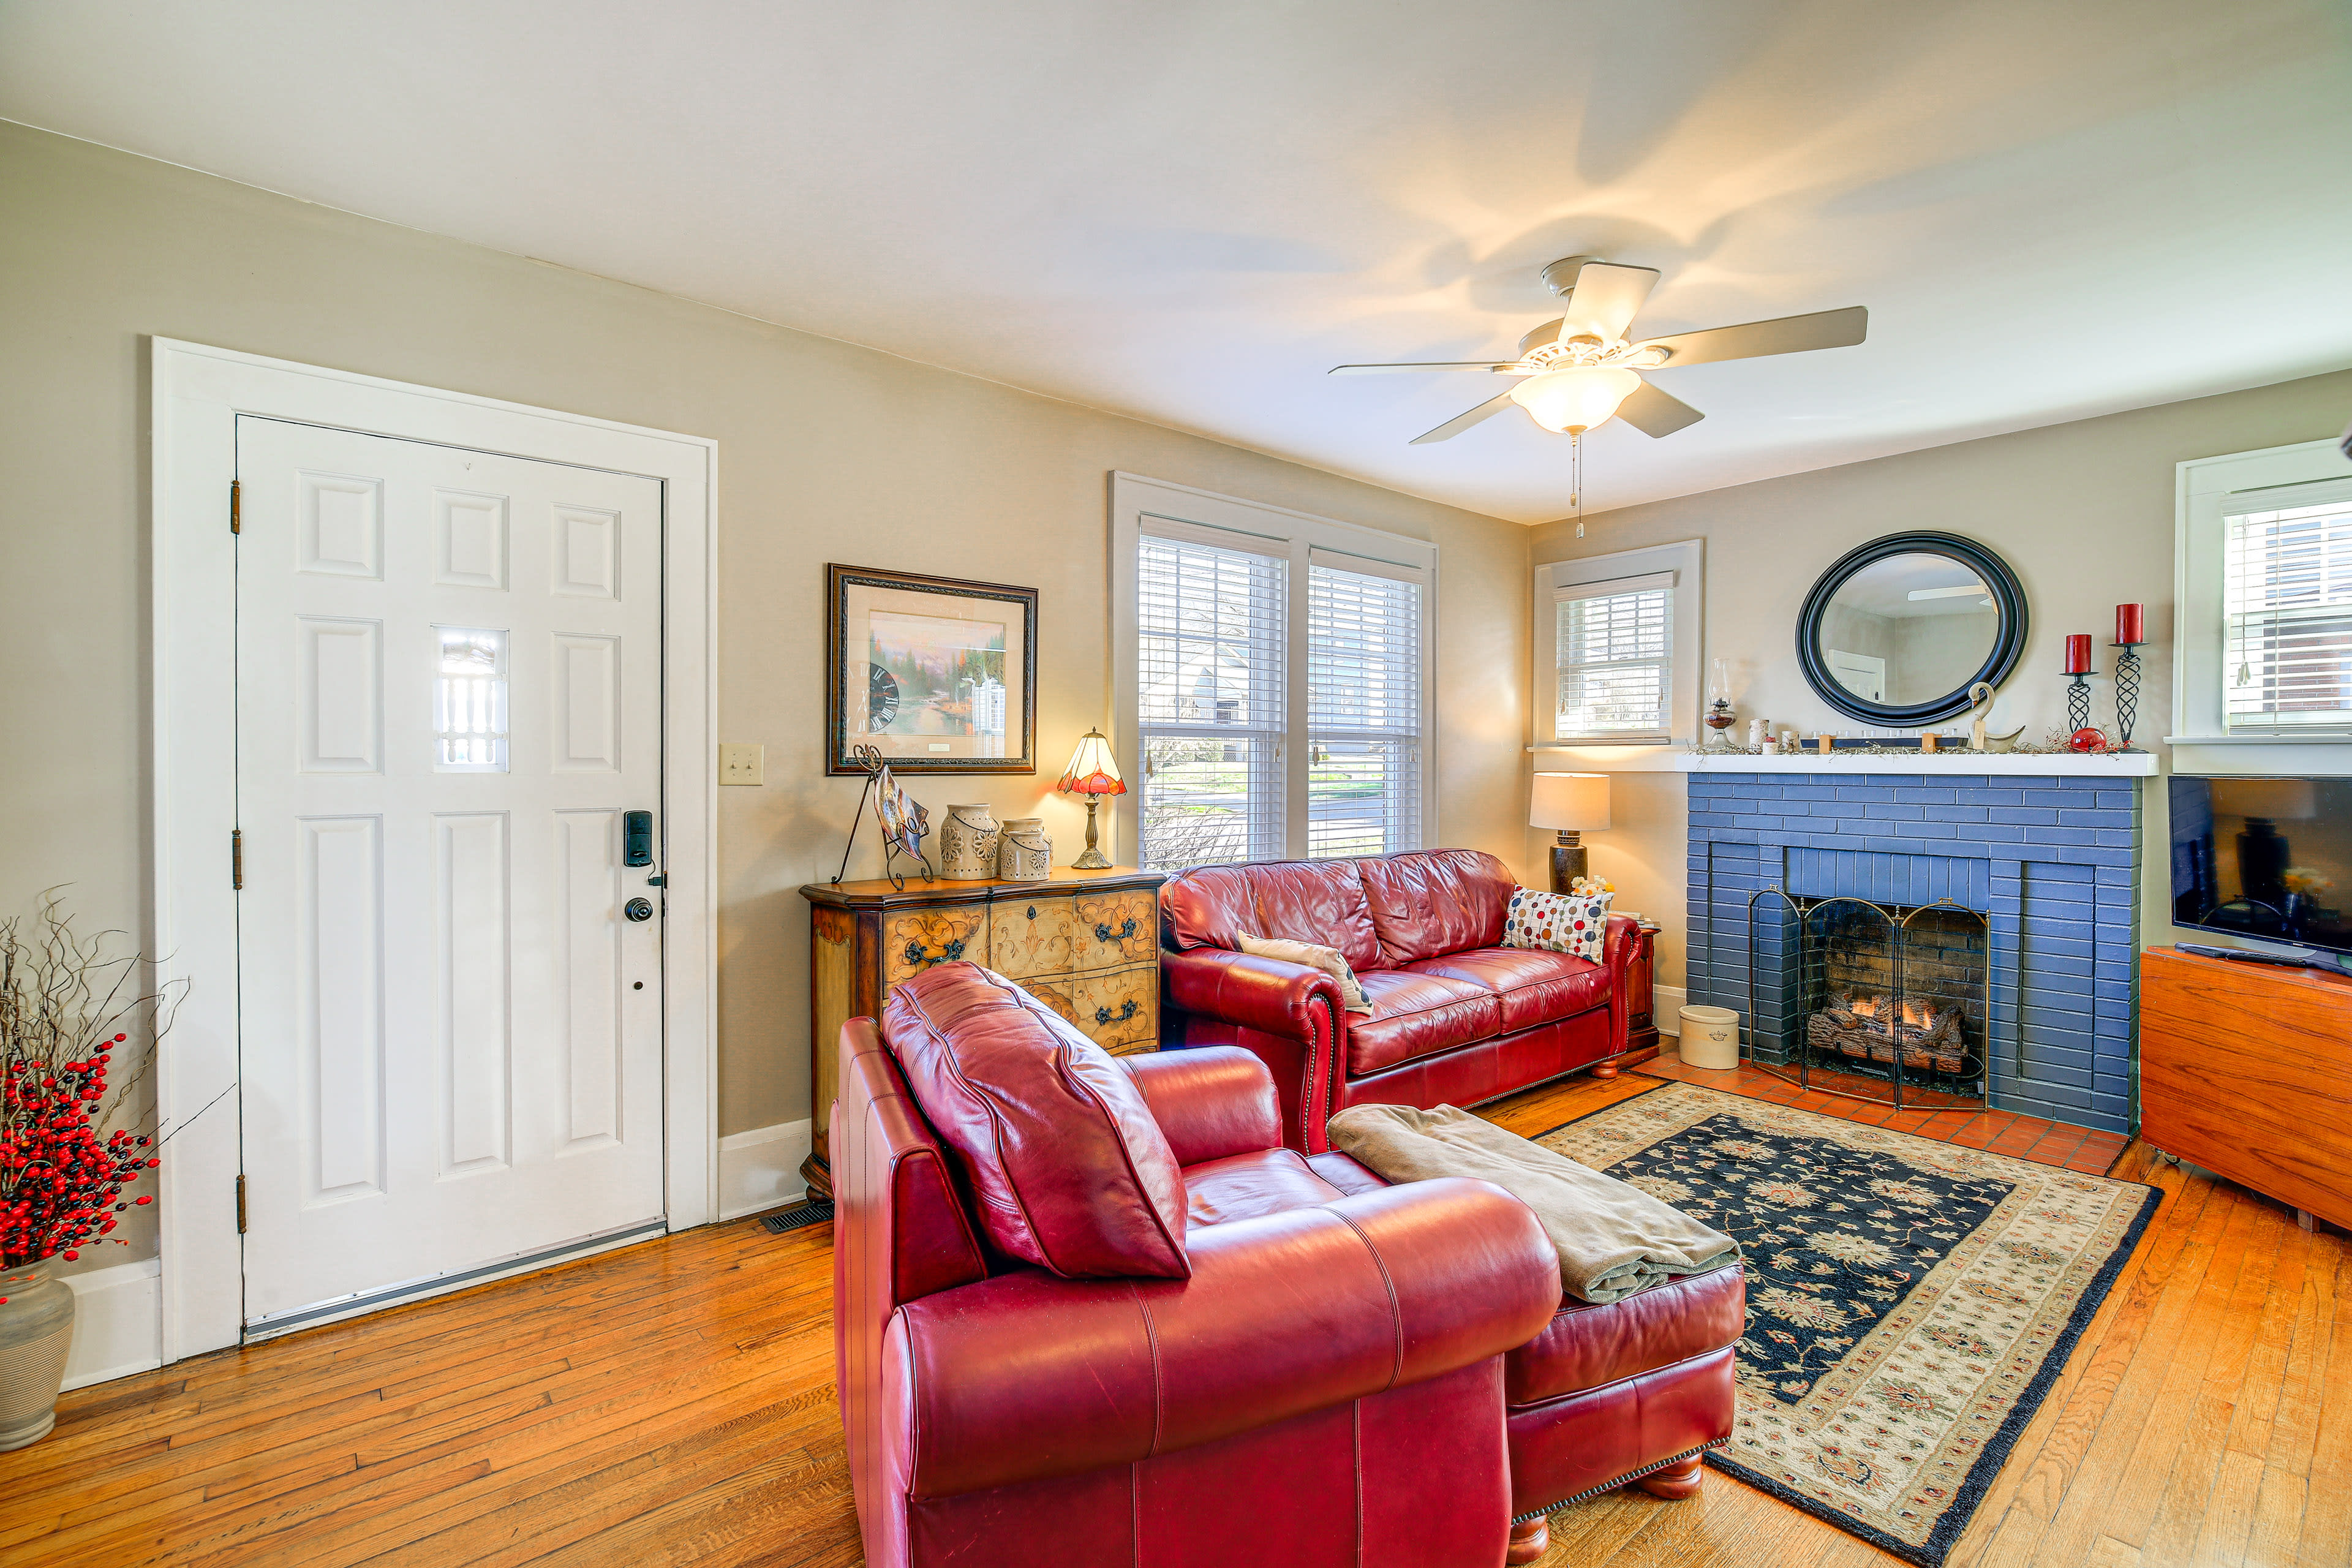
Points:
[827,452]
[2083,512]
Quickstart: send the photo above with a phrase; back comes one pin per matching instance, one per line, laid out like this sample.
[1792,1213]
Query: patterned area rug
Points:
[1909,1302]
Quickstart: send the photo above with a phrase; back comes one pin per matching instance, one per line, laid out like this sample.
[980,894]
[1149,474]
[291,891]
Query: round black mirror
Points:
[1897,630]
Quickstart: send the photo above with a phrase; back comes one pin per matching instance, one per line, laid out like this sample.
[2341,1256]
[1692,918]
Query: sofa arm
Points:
[1621,942]
[1025,1376]
[1262,993]
[1210,1102]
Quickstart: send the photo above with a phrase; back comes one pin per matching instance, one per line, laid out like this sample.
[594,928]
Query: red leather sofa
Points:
[1328,1387]
[1457,1018]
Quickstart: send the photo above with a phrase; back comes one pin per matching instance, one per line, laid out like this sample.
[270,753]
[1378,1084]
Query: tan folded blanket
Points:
[1613,1239]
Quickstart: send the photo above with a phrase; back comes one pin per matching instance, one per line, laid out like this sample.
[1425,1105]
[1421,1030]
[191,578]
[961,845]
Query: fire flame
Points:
[1917,1014]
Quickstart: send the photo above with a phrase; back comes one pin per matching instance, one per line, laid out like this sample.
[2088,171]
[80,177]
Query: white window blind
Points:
[2287,655]
[1209,676]
[1363,708]
[1616,643]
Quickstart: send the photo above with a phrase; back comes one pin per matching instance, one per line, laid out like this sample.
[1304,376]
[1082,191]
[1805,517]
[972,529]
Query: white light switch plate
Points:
[741,762]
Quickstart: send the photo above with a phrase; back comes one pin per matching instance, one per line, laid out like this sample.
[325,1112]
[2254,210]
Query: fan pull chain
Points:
[1576,478]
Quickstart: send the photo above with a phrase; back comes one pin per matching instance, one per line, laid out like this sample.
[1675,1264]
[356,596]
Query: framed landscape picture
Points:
[937,675]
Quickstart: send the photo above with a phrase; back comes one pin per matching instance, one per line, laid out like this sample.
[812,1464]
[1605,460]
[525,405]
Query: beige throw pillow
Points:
[1326,959]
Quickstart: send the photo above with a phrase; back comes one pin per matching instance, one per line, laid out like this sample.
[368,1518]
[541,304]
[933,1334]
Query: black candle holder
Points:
[2078,704]
[2127,691]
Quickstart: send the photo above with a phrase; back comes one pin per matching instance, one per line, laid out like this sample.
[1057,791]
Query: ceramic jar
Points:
[36,1330]
[1025,853]
[968,843]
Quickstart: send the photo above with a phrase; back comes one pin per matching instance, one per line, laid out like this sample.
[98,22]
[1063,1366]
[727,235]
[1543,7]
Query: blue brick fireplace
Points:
[2052,863]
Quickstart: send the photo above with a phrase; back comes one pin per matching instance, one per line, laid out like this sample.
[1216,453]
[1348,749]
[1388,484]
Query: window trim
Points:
[1137,502]
[2202,490]
[1685,559]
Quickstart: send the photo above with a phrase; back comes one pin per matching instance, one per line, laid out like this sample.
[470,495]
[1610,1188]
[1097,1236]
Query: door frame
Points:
[197,395]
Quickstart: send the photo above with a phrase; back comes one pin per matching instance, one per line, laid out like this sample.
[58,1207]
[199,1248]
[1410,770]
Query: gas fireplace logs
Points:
[1857,1026]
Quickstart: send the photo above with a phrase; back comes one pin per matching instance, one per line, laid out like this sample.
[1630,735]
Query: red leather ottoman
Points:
[1634,1391]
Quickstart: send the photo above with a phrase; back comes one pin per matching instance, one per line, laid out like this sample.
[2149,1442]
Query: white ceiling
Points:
[1188,212]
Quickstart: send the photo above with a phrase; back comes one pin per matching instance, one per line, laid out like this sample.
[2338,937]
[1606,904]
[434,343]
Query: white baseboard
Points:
[761,1168]
[1667,1004]
[118,1323]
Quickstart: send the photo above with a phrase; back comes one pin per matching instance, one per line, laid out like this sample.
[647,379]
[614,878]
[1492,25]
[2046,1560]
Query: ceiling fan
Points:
[1581,369]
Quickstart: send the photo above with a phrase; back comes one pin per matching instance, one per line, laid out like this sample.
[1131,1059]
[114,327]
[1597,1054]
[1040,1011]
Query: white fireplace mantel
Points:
[1959,764]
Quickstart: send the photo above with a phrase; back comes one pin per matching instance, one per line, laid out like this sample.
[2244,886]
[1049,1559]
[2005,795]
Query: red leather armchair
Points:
[1457,1018]
[1326,1388]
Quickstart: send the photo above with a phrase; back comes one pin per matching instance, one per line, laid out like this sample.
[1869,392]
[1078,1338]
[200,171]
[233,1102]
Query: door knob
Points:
[639,909]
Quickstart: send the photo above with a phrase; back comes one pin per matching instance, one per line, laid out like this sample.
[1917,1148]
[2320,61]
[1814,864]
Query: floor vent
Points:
[817,1211]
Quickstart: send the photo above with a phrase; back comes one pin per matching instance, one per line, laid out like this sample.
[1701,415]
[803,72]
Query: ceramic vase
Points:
[968,843]
[36,1330]
[1025,853]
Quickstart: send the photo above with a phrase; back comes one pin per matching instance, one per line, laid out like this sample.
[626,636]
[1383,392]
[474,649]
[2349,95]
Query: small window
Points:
[469,701]
[1617,647]
[1616,643]
[2286,596]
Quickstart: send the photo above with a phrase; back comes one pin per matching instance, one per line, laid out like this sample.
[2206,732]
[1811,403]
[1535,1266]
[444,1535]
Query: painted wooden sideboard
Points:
[1085,943]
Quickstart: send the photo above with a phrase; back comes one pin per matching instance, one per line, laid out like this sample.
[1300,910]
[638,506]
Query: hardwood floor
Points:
[673,1404]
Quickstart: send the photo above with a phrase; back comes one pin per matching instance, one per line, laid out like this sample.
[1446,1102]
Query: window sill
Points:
[2245,740]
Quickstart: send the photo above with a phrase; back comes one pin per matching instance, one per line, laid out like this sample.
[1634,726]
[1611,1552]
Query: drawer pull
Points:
[917,957]
[1125,931]
[1126,1011]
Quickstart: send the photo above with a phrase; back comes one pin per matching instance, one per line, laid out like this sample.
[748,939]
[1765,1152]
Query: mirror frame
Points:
[2009,641]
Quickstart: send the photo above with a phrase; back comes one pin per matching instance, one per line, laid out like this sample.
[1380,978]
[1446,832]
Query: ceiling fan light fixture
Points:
[1575,399]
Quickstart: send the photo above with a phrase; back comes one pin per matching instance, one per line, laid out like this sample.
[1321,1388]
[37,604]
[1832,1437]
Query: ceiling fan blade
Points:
[1505,365]
[1654,412]
[1605,297]
[1461,422]
[1787,335]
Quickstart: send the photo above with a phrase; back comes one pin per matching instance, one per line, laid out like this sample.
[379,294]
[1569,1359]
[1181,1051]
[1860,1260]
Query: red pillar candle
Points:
[2131,623]
[2078,653]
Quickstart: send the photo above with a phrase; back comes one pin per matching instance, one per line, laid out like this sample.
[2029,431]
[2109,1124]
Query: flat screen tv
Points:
[2264,858]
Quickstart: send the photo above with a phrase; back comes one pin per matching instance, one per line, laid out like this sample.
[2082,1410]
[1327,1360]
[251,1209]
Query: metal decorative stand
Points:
[2127,691]
[878,770]
[2078,705]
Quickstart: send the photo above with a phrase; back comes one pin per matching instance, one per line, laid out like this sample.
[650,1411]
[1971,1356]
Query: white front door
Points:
[450,998]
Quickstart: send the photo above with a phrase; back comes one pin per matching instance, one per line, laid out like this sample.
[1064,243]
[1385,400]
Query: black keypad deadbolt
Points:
[638,839]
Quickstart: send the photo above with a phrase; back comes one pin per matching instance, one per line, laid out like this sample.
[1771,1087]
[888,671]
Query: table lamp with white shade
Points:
[1574,804]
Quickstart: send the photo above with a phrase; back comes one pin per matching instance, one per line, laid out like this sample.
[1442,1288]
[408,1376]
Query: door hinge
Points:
[235,860]
[236,506]
[241,1205]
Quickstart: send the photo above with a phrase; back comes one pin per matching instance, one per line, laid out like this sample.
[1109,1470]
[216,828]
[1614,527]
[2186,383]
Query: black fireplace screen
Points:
[1877,1002]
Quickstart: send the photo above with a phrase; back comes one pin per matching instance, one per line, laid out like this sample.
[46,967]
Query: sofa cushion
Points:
[1416,1015]
[1321,901]
[1435,901]
[1071,1172]
[1533,987]
[1244,1186]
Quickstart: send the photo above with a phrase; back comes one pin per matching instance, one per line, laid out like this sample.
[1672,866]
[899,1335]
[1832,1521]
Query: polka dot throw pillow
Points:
[1573,924]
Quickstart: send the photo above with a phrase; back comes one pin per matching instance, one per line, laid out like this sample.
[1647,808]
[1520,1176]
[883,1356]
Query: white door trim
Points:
[197,395]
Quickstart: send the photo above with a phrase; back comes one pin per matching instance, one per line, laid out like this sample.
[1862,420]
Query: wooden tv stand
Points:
[2246,1069]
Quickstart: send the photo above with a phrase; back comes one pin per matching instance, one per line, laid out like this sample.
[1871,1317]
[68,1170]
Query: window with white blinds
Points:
[1363,709]
[2286,591]
[1211,658]
[1615,647]
[1276,668]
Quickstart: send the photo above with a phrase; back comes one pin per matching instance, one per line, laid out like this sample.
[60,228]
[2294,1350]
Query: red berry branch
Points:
[64,1007]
